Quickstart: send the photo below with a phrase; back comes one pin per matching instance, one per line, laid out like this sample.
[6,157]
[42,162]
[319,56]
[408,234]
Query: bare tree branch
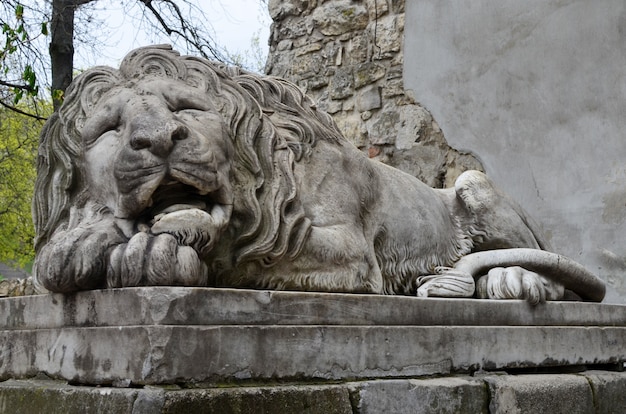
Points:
[192,35]
[15,85]
[19,111]
[181,20]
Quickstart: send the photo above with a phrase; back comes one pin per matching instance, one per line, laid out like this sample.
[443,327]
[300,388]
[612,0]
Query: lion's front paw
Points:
[193,227]
[155,260]
[518,283]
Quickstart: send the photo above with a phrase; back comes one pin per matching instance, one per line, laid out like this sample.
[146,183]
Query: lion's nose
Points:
[159,140]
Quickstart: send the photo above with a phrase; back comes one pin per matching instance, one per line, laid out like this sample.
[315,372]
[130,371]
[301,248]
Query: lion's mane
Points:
[272,125]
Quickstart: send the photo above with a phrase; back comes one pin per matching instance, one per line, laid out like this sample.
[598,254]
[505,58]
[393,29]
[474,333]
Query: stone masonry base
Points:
[584,392]
[204,350]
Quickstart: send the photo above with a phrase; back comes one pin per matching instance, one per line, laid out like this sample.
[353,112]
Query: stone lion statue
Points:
[174,170]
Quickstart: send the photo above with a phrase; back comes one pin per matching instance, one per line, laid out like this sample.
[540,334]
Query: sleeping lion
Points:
[174,170]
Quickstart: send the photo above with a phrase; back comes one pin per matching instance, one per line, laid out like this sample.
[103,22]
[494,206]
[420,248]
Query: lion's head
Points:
[170,170]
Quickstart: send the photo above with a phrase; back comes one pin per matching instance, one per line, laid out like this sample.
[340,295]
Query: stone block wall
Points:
[599,392]
[348,55]
[16,287]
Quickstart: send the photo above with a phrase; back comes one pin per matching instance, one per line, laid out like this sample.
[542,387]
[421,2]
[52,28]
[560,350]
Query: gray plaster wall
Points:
[537,90]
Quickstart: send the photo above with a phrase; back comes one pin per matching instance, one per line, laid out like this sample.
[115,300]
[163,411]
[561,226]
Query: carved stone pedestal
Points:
[351,346]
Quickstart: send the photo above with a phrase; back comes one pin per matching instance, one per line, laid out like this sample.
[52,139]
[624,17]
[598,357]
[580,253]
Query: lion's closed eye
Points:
[179,101]
[188,111]
[91,136]
[99,124]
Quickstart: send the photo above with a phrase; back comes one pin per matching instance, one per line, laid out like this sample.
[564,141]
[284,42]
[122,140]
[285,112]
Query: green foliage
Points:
[18,152]
[57,95]
[16,42]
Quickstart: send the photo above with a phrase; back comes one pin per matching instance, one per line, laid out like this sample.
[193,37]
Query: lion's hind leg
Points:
[496,220]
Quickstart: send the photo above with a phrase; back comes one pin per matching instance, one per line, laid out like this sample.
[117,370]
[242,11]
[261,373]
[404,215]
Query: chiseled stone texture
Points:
[422,396]
[187,306]
[348,55]
[169,354]
[609,391]
[305,399]
[161,335]
[43,396]
[548,393]
[16,287]
[494,394]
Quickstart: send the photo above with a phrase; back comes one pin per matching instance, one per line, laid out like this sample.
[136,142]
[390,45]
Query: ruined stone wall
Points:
[348,55]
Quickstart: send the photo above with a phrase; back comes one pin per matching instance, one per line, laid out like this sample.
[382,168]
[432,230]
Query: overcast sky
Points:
[235,23]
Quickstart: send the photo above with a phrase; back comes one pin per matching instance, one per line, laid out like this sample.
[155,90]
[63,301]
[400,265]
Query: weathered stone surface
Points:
[338,17]
[383,130]
[172,354]
[313,47]
[393,87]
[357,49]
[209,198]
[171,335]
[537,394]
[342,84]
[317,82]
[369,99]
[307,66]
[420,160]
[16,287]
[352,128]
[456,163]
[333,106]
[376,8]
[397,6]
[460,394]
[291,29]
[279,9]
[436,396]
[412,121]
[209,306]
[388,32]
[44,396]
[285,44]
[374,52]
[368,73]
[608,391]
[306,399]
[41,396]
[160,195]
